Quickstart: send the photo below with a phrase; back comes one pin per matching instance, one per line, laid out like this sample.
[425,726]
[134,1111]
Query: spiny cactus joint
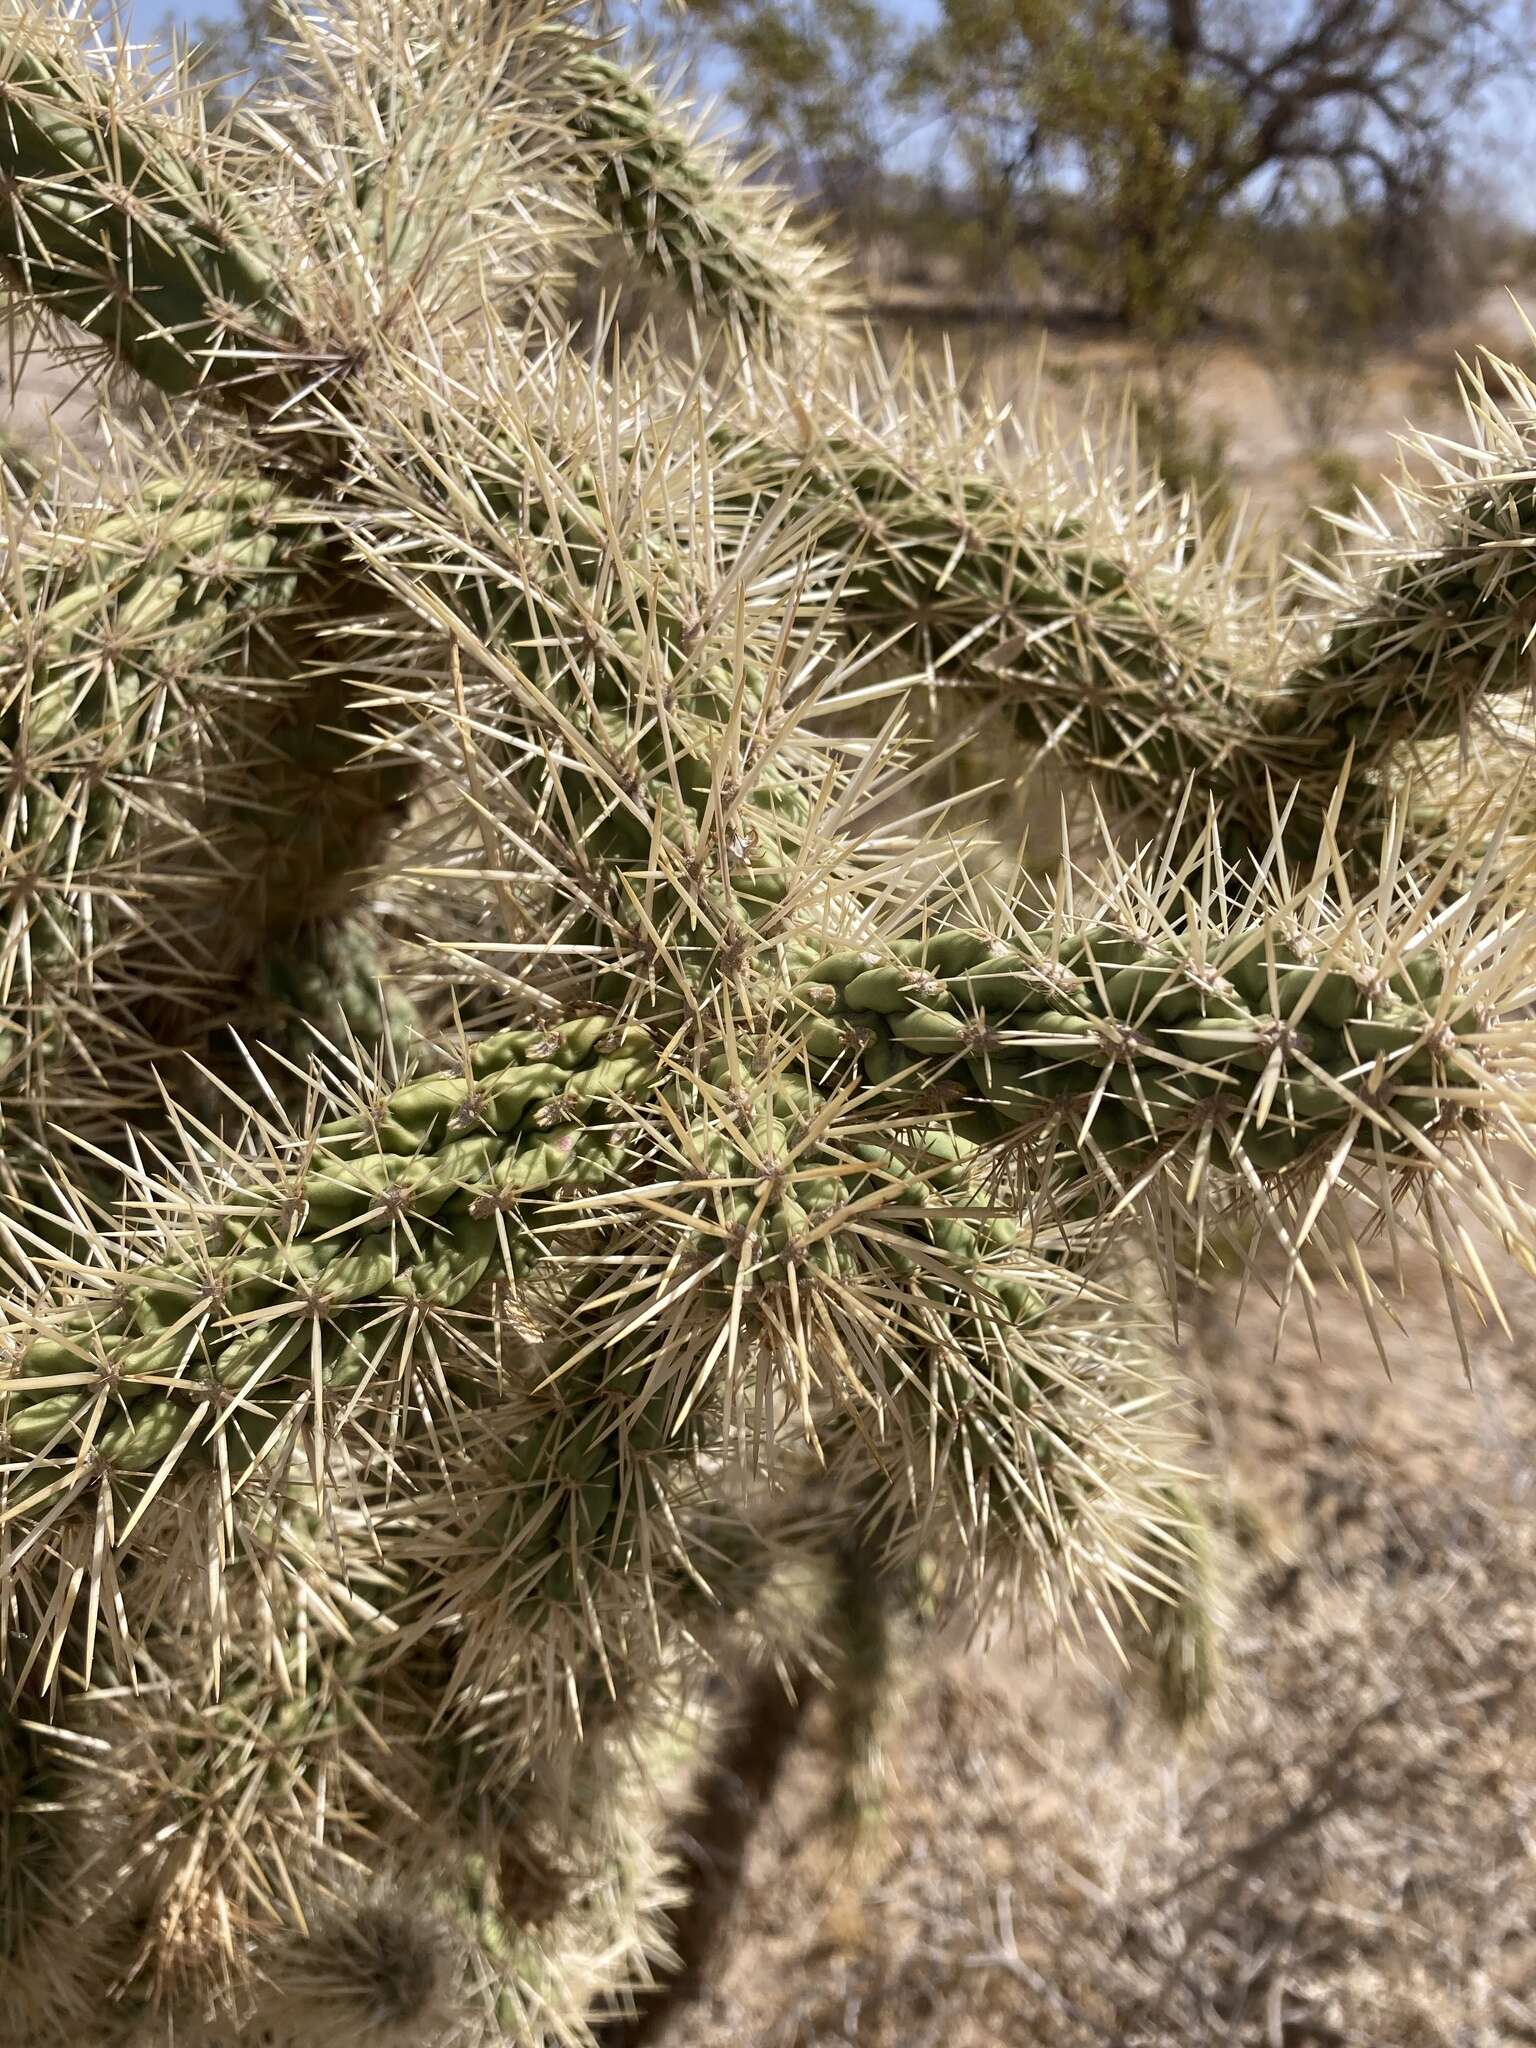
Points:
[518,1176]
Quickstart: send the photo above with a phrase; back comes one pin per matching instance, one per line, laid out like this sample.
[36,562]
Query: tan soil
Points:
[50,411]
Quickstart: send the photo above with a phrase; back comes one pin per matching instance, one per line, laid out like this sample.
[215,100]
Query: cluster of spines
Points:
[1107,1060]
[1148,1042]
[729,244]
[396,1874]
[411,1203]
[1120,634]
[128,633]
[764,1210]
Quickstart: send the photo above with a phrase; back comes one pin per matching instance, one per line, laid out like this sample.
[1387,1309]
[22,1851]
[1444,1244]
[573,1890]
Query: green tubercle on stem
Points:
[293,1295]
[125,224]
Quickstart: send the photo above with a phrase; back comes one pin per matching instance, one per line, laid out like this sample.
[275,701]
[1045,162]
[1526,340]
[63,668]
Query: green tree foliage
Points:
[1122,136]
[1131,123]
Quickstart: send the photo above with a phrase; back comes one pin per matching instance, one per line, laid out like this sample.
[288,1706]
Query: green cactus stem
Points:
[728,244]
[1260,1052]
[126,636]
[1113,637]
[406,1208]
[171,268]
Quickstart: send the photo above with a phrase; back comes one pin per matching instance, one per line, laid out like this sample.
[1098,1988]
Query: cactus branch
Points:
[123,215]
[726,242]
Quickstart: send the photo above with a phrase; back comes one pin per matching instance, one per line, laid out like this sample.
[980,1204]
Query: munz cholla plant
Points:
[532,1151]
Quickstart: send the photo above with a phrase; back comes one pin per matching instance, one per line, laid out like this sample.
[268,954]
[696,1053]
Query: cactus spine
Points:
[383,1464]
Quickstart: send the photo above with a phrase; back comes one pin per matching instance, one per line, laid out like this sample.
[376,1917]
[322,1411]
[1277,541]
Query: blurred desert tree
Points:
[233,47]
[1121,142]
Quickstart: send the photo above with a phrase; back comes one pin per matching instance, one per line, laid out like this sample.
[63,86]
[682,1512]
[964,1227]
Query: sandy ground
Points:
[49,407]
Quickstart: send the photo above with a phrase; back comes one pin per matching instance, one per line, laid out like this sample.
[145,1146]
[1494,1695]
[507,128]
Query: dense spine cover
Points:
[389,1450]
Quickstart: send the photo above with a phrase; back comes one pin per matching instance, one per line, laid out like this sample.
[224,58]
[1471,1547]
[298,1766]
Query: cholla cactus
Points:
[391,1441]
